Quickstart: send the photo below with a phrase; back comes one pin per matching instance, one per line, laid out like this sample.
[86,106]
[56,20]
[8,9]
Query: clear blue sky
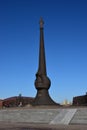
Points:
[65,36]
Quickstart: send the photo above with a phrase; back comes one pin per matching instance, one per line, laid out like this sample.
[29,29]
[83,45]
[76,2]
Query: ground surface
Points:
[25,126]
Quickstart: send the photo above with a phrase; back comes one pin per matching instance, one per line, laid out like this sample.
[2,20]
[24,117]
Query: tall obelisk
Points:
[42,82]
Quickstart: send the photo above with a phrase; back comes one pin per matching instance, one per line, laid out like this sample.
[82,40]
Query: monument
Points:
[42,82]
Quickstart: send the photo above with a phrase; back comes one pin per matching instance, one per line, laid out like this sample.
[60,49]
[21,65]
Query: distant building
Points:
[17,101]
[66,103]
[80,100]
[1,103]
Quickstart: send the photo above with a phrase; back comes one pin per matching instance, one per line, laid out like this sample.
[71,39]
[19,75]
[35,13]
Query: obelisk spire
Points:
[42,82]
[42,61]
[41,22]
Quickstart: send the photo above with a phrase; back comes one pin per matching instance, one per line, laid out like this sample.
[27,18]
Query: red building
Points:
[17,101]
[1,103]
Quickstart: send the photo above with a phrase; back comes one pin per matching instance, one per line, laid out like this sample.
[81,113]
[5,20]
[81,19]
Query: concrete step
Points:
[80,116]
[29,115]
[45,116]
[64,117]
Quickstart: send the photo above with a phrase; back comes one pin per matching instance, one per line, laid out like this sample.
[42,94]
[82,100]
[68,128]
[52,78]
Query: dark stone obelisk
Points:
[42,82]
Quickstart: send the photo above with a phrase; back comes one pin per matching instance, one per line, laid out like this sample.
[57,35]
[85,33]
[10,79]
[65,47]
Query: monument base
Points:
[43,98]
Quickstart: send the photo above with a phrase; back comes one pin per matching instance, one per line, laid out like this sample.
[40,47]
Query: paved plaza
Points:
[40,119]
